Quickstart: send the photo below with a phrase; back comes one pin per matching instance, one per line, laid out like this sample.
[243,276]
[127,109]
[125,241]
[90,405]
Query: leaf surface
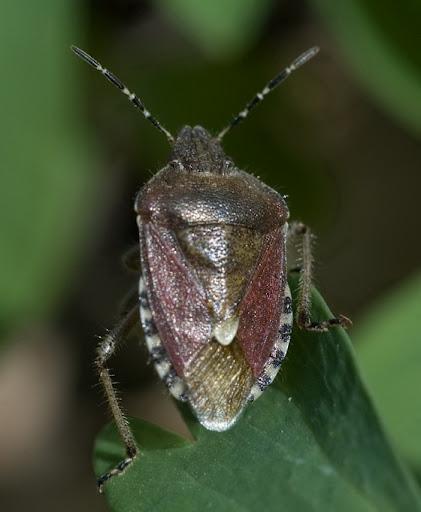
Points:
[380,39]
[47,167]
[389,350]
[218,35]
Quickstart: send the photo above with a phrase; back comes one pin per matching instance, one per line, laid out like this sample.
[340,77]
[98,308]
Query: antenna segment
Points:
[118,83]
[279,78]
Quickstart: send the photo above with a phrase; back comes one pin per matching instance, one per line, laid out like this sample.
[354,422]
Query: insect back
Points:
[213,290]
[214,300]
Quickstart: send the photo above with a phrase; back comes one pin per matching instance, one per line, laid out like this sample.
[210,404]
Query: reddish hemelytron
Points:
[176,385]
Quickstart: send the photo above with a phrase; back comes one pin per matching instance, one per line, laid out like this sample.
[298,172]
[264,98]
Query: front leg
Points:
[105,350]
[302,235]
[131,259]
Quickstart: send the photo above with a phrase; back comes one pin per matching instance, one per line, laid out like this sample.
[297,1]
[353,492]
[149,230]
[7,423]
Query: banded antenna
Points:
[279,78]
[118,83]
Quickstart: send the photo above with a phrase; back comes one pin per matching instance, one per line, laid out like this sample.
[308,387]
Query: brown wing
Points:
[219,378]
[262,303]
[176,298]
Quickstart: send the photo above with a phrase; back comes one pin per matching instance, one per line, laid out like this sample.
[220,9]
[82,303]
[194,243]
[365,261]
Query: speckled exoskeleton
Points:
[214,301]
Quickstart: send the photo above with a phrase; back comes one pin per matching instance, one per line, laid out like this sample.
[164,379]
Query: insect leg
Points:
[105,350]
[302,234]
[131,262]
[129,300]
[131,259]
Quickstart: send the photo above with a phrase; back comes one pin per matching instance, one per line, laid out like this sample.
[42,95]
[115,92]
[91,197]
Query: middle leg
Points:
[106,349]
[301,233]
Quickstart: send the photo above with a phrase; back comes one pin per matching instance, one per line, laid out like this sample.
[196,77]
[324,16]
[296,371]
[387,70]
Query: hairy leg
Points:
[302,236]
[131,259]
[105,350]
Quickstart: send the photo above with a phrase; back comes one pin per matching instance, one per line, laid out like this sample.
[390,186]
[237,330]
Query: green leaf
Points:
[389,350]
[219,30]
[311,442]
[47,169]
[381,41]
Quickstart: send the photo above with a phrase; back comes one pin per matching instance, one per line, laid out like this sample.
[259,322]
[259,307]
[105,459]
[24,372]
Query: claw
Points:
[118,470]
[325,325]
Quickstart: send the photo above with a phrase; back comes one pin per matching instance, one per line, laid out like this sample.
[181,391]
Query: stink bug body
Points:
[215,305]
[212,242]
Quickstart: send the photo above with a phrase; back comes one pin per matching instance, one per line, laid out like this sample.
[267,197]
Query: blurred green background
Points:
[341,138]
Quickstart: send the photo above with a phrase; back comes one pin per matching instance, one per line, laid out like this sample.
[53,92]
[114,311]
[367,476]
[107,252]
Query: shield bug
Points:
[214,300]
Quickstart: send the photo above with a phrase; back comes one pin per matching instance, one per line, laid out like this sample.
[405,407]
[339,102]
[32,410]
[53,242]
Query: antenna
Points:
[279,78]
[118,83]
